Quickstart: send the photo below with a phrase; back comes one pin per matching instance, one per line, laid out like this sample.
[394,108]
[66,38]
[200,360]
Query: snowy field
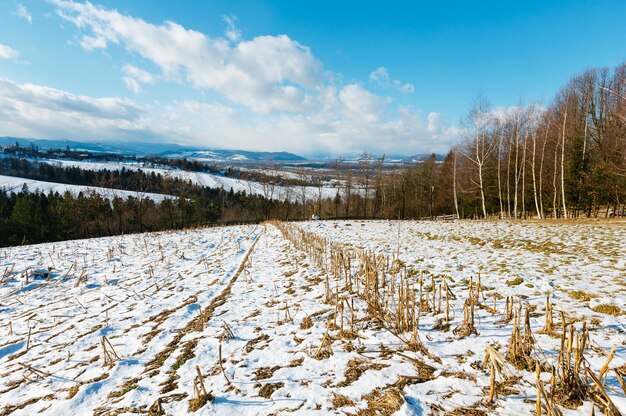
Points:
[15,184]
[210,180]
[307,318]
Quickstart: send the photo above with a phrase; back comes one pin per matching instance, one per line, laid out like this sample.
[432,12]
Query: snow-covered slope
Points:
[131,324]
[210,180]
[15,184]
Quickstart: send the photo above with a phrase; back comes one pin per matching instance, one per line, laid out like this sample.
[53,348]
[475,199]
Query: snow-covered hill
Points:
[14,184]
[209,180]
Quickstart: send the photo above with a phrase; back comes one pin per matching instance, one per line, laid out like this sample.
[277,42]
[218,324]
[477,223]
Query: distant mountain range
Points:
[159,149]
[171,150]
[421,158]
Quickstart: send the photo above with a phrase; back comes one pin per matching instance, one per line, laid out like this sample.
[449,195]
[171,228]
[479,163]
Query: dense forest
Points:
[28,217]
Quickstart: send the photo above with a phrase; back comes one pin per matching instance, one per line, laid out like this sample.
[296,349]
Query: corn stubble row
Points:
[396,298]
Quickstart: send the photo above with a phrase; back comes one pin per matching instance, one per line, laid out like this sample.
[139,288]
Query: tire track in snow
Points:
[154,367]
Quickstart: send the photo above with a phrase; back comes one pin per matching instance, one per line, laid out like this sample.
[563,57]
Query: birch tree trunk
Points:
[508,178]
[456,204]
[554,179]
[533,167]
[482,189]
[543,152]
[524,177]
[516,168]
[563,160]
[499,175]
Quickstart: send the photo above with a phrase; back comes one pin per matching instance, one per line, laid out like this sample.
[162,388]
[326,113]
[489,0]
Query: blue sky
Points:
[310,77]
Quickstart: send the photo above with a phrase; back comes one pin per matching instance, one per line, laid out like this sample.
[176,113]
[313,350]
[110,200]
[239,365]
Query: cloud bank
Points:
[274,94]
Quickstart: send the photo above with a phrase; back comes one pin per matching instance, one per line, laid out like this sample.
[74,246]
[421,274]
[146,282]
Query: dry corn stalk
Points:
[548,327]
[228,332]
[497,365]
[110,356]
[219,360]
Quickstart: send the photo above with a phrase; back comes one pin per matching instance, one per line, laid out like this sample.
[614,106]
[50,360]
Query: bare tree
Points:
[543,152]
[481,147]
[319,184]
[533,164]
[456,201]
[563,156]
[365,164]
[303,179]
[379,188]
[499,173]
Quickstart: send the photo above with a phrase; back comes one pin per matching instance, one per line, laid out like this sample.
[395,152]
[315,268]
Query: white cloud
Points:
[265,73]
[405,88]
[90,43]
[347,120]
[23,12]
[232,32]
[6,52]
[380,76]
[30,110]
[435,121]
[296,105]
[132,84]
[135,77]
[360,104]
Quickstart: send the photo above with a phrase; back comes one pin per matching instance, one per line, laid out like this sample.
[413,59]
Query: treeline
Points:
[33,151]
[28,217]
[34,217]
[127,179]
[566,160]
[272,174]
[561,161]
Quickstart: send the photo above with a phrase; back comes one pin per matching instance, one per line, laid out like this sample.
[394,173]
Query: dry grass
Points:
[581,295]
[515,282]
[7,410]
[268,389]
[339,400]
[307,323]
[73,391]
[355,369]
[186,355]
[251,345]
[264,373]
[296,363]
[382,402]
[467,411]
[126,387]
[609,309]
[199,402]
